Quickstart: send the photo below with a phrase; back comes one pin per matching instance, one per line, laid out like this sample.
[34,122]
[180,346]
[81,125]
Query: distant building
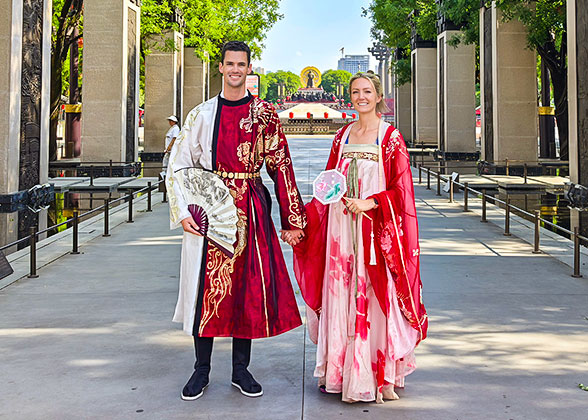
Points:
[354,63]
[258,70]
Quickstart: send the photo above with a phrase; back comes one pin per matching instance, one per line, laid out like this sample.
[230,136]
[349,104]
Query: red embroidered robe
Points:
[250,295]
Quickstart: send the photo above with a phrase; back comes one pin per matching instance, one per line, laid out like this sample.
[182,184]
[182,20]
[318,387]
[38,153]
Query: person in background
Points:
[170,138]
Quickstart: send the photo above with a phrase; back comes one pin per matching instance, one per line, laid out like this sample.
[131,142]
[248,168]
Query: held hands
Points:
[292,237]
[190,226]
[355,205]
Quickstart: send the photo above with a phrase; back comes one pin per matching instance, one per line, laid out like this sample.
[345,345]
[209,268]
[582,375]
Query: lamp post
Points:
[382,54]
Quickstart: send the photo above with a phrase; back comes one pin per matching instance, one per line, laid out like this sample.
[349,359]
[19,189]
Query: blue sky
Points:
[313,31]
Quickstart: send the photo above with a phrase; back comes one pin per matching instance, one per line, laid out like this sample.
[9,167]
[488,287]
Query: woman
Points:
[358,266]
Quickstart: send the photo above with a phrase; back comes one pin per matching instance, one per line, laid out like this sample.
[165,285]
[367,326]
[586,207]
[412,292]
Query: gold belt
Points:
[238,175]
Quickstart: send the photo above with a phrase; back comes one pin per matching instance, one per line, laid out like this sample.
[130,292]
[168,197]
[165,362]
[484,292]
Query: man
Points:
[170,138]
[249,295]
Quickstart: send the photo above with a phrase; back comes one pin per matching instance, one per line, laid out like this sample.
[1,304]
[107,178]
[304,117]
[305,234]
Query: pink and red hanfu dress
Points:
[364,292]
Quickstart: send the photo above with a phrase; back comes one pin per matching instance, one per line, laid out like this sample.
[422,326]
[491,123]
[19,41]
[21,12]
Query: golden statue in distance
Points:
[310,77]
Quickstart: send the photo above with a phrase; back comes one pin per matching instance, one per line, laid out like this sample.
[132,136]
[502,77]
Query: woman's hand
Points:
[355,205]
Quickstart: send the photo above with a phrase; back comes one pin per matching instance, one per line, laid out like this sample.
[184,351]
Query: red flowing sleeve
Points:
[280,169]
[311,253]
[396,233]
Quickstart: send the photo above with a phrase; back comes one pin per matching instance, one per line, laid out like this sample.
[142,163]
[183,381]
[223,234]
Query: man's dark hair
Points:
[236,46]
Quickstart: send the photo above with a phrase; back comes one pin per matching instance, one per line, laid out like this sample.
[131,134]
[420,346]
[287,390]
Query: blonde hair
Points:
[373,78]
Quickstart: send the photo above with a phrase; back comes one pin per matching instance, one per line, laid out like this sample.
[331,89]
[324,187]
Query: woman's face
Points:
[363,96]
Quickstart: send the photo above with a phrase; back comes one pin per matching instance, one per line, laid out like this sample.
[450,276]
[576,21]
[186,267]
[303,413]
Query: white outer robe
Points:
[192,148]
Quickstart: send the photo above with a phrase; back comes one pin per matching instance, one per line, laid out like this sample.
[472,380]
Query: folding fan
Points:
[211,205]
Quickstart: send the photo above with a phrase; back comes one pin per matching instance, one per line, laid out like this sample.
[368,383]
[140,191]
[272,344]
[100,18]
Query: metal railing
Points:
[509,208]
[75,221]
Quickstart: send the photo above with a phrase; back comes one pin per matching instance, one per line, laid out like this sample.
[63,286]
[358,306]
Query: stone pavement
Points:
[92,337]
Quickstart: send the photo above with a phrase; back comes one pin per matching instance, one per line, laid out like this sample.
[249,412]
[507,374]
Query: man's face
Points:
[235,68]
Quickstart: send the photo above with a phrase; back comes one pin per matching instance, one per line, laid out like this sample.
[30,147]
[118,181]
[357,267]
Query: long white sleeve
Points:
[185,153]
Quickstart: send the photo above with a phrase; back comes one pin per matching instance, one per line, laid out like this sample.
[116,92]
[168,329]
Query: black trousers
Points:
[203,345]
[203,352]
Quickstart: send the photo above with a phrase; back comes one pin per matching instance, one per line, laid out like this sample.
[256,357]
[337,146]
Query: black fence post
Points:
[130,199]
[75,232]
[164,200]
[33,253]
[465,196]
[577,273]
[439,183]
[537,227]
[484,220]
[106,218]
[428,178]
[420,174]
[149,196]
[507,218]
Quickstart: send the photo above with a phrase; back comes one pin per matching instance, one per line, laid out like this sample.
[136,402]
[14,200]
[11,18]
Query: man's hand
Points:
[190,226]
[355,205]
[292,237]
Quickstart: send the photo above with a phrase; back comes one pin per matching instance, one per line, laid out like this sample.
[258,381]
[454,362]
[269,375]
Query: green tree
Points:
[392,24]
[331,78]
[262,86]
[210,23]
[290,80]
[67,16]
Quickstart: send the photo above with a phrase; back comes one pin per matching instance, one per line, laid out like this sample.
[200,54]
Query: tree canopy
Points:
[271,80]
[331,78]
[210,23]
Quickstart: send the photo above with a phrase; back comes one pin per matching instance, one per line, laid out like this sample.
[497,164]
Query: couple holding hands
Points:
[356,261]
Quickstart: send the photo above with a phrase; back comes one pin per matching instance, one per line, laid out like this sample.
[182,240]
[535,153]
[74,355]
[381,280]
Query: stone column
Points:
[215,80]
[111,80]
[424,93]
[456,96]
[164,71]
[577,24]
[508,80]
[25,52]
[10,77]
[402,111]
[196,73]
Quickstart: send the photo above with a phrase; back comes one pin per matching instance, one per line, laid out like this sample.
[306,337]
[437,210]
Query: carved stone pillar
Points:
[402,112]
[111,80]
[215,80]
[25,52]
[456,97]
[508,84]
[424,93]
[164,81]
[196,83]
[578,100]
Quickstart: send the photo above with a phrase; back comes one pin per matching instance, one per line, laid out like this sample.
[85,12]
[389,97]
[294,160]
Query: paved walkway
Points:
[92,338]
